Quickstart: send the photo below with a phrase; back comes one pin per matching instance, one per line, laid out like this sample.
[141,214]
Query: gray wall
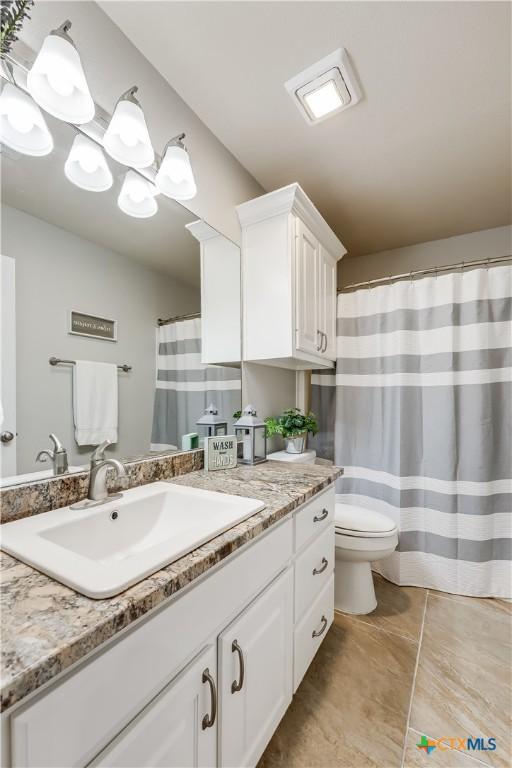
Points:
[56,272]
[112,64]
[476,245]
[270,390]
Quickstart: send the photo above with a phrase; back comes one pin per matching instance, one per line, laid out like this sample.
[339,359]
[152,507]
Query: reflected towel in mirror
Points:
[95,407]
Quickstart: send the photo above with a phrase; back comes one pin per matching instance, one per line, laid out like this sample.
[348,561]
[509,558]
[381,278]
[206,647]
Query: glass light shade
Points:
[57,81]
[86,166]
[175,178]
[137,197]
[127,138]
[22,125]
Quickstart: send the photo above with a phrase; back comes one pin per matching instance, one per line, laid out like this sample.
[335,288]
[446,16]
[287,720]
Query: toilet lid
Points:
[359,520]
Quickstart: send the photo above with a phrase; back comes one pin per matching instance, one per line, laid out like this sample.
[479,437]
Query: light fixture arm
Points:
[129,95]
[62,31]
[176,141]
[8,68]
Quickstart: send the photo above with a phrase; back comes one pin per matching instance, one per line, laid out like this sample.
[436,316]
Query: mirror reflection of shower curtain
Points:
[185,387]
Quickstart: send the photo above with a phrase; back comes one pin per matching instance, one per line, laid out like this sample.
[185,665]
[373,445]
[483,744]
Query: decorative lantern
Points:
[211,423]
[251,432]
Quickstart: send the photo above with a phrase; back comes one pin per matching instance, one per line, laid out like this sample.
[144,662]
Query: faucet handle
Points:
[43,455]
[57,445]
[98,455]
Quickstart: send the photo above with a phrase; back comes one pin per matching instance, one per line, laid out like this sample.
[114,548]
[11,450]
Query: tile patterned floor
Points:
[424,663]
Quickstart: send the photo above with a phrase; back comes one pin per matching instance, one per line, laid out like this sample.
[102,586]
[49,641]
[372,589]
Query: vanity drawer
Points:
[113,686]
[314,517]
[313,569]
[312,630]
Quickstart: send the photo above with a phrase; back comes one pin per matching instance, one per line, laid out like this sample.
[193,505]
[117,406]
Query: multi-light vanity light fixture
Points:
[56,82]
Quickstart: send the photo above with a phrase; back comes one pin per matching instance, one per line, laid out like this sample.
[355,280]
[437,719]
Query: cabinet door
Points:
[178,729]
[327,303]
[256,664]
[307,290]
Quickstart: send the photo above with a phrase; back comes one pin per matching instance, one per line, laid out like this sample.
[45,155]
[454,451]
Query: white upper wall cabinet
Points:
[289,258]
[221,339]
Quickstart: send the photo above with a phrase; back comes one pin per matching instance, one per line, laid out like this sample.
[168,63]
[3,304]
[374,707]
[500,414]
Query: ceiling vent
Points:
[325,88]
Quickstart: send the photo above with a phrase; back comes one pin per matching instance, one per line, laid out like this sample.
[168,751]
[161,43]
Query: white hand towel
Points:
[95,402]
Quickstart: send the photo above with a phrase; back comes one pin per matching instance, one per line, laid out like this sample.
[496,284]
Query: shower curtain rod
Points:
[427,271]
[178,317]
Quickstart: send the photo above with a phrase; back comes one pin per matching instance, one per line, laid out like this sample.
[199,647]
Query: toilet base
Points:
[353,588]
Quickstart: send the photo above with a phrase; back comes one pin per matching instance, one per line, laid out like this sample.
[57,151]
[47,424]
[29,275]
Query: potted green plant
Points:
[294,426]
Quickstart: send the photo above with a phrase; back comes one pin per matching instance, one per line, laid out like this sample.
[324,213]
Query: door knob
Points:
[6,436]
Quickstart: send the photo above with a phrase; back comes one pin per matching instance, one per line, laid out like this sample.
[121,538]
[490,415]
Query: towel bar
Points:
[58,361]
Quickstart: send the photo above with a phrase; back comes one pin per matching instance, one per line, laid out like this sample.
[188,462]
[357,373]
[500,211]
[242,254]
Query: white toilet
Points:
[362,536]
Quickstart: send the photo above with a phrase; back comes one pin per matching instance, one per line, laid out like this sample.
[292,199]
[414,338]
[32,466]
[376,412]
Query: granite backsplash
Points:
[32,498]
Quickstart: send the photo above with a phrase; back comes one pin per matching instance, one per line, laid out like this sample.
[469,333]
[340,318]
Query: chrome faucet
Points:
[58,456]
[98,477]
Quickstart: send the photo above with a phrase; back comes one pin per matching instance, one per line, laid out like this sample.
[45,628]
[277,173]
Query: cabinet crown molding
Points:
[201,230]
[291,199]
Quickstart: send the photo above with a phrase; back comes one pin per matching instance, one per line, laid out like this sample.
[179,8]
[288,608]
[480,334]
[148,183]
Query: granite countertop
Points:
[47,627]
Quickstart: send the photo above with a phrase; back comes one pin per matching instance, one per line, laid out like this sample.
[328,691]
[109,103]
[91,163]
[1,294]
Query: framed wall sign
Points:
[82,324]
[220,452]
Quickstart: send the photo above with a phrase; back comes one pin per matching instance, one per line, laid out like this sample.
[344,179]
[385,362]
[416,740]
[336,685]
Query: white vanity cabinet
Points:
[204,679]
[289,258]
[177,729]
[256,673]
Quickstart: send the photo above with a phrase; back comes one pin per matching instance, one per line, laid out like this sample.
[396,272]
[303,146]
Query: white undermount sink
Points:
[100,553]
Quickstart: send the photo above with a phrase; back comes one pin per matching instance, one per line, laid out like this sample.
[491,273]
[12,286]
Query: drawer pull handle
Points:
[319,344]
[318,518]
[316,633]
[316,571]
[237,686]
[209,720]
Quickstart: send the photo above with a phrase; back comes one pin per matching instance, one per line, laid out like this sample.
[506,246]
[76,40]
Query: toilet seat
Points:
[351,520]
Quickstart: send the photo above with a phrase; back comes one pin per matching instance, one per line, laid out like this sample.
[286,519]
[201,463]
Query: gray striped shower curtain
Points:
[185,387]
[419,413]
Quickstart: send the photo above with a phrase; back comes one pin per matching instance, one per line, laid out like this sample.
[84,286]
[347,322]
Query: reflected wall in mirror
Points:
[67,250]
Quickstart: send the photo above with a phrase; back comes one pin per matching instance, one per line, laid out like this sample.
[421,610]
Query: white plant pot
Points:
[296,444]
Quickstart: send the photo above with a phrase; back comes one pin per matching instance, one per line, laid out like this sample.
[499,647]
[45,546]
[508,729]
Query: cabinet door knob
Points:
[316,633]
[319,518]
[237,686]
[7,436]
[209,720]
[316,571]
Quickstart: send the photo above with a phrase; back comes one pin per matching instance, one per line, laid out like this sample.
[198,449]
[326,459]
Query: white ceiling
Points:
[425,155]
[37,185]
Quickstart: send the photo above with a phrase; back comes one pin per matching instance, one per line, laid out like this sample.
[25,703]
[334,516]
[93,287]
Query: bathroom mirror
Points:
[83,281]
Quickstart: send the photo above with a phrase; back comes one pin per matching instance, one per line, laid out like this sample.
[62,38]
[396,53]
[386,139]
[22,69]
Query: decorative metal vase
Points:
[297,443]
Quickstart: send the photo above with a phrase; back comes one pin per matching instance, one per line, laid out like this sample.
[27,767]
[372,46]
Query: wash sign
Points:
[220,452]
